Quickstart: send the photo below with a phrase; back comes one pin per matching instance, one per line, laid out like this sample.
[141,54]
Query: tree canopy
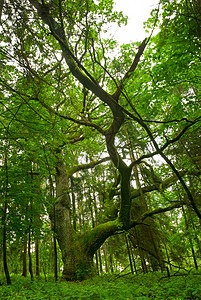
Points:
[97,138]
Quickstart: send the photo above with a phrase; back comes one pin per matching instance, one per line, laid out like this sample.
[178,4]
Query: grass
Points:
[148,286]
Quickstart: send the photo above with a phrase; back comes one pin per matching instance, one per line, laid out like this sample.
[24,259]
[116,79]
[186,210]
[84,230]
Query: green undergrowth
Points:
[149,286]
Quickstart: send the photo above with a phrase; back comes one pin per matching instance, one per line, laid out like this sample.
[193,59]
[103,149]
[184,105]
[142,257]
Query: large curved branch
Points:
[158,211]
[79,72]
[164,184]
[82,75]
[77,121]
[90,165]
[160,151]
[96,237]
[131,69]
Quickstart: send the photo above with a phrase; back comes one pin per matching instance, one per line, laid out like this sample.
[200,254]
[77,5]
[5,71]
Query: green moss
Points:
[101,232]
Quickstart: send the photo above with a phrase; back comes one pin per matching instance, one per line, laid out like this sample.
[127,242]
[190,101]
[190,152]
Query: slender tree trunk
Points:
[37,257]
[55,249]
[37,224]
[97,264]
[143,261]
[129,254]
[111,263]
[5,263]
[94,222]
[196,237]
[55,260]
[105,257]
[24,257]
[168,257]
[1,253]
[53,252]
[134,263]
[93,225]
[140,251]
[194,257]
[131,250]
[29,254]
[51,256]
[1,8]
[190,239]
[4,220]
[100,261]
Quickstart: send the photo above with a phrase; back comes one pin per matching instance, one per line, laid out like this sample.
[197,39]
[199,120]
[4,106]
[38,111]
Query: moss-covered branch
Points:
[90,165]
[157,211]
[164,184]
[93,239]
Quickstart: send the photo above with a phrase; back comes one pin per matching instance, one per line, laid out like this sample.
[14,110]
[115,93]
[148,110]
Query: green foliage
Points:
[47,115]
[149,286]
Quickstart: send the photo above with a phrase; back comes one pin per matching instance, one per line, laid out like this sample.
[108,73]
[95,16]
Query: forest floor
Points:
[185,285]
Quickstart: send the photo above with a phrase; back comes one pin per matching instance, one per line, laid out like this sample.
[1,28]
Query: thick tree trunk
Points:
[77,249]
[76,259]
[61,221]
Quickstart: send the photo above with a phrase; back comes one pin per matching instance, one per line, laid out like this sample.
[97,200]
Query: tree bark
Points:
[24,257]
[62,222]
[129,254]
[37,257]
[1,8]
[105,257]
[190,239]
[4,221]
[77,249]
[5,263]
[29,254]
[55,259]
[149,230]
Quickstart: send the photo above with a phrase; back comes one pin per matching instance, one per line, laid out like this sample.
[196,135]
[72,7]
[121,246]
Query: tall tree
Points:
[50,51]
